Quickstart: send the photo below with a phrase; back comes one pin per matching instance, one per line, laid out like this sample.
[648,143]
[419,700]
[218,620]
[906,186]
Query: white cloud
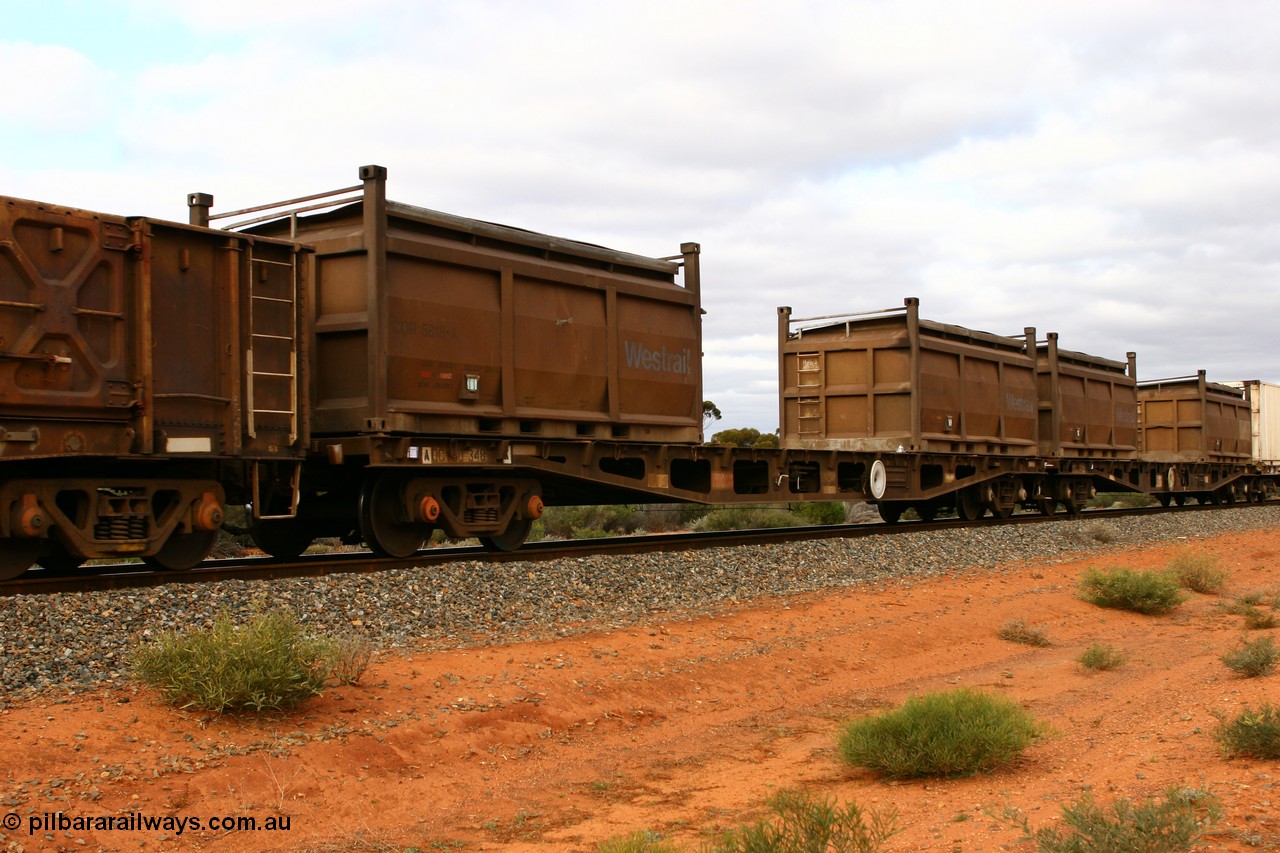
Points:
[1103,170]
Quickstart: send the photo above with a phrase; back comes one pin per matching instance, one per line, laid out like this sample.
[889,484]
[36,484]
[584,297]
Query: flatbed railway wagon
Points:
[150,372]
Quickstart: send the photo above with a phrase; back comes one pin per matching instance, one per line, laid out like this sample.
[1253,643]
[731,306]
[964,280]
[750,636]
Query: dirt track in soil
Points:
[679,726]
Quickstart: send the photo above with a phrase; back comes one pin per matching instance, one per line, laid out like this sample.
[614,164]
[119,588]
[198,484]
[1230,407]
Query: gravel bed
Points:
[80,641]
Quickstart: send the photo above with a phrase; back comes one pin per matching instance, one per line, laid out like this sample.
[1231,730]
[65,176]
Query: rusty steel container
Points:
[125,336]
[154,370]
[890,382]
[1088,405]
[433,324]
[1187,419]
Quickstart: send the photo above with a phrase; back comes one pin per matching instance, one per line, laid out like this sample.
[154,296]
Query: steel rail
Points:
[39,581]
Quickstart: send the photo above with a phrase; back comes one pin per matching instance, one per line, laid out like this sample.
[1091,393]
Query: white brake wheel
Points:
[879,479]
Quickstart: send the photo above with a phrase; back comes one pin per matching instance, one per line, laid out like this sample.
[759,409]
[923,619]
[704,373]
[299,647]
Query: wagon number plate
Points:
[452,456]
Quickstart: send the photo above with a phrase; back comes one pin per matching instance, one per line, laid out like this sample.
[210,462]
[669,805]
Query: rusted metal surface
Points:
[125,339]
[891,382]
[433,324]
[1088,405]
[1188,419]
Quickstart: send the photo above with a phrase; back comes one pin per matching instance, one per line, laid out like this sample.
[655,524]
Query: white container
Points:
[1264,403]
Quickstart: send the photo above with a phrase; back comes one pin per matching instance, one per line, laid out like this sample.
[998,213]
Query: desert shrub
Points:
[1100,657]
[660,518]
[1259,598]
[1103,500]
[1094,531]
[1251,734]
[1253,659]
[1258,620]
[940,734]
[1151,593]
[800,823]
[1169,825]
[1198,572]
[268,662]
[820,512]
[588,522]
[747,518]
[641,841]
[1018,631]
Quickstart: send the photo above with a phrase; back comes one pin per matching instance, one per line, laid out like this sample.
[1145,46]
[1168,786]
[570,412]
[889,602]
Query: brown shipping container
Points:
[1190,420]
[433,324]
[115,338]
[889,381]
[1088,405]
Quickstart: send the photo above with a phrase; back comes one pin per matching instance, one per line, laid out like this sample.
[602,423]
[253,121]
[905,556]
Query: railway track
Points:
[40,581]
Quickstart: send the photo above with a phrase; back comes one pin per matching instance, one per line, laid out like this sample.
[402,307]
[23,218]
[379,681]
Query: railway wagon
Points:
[1201,431]
[943,416]
[150,372]
[441,341]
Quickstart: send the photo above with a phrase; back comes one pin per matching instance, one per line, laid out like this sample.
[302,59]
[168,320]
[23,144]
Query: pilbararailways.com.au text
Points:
[139,822]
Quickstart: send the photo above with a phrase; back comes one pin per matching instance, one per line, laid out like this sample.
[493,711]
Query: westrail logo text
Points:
[641,357]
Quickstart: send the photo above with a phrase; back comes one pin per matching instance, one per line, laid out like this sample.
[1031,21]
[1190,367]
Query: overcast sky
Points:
[1106,170]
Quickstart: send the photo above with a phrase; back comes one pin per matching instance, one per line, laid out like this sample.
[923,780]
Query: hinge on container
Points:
[117,237]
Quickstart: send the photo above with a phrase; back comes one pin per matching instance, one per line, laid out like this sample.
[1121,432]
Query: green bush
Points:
[269,662]
[1151,593]
[1017,631]
[641,841]
[821,512]
[1254,658]
[1258,620]
[1199,572]
[1166,826]
[1103,500]
[1251,734]
[588,522]
[747,518]
[1100,657]
[940,734]
[799,823]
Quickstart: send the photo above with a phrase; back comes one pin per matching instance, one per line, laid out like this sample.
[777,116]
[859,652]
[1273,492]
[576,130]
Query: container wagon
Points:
[1201,431]
[150,372]
[441,342]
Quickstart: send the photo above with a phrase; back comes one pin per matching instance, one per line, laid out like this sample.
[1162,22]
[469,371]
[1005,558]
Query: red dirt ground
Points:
[681,726]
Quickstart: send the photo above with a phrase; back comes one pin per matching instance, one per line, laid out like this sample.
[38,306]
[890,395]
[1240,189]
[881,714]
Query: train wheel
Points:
[1164,500]
[17,555]
[182,551]
[969,504]
[1048,506]
[282,538]
[927,511]
[511,538]
[55,556]
[382,522]
[1180,500]
[890,512]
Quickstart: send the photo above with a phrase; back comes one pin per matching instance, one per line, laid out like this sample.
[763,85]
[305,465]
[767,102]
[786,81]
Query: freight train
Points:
[342,365]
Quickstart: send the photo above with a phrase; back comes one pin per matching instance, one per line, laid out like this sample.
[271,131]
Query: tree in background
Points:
[710,414]
[746,437]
